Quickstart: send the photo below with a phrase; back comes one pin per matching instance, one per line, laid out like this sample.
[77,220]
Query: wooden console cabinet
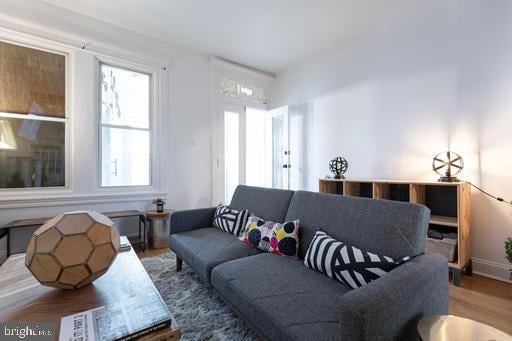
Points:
[449,203]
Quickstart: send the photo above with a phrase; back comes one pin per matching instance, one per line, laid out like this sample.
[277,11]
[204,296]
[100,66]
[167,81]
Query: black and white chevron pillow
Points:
[230,220]
[345,263]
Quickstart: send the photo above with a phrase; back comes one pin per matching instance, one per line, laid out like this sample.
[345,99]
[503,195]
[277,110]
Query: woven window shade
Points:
[32,81]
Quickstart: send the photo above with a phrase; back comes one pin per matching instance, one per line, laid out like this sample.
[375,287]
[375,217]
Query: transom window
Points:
[125,127]
[244,91]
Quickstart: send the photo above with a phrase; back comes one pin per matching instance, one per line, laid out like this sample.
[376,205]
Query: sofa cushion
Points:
[346,263]
[268,236]
[280,297]
[230,220]
[205,248]
[391,228]
[266,203]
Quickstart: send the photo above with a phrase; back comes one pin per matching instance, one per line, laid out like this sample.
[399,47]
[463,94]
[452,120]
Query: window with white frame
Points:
[243,91]
[125,127]
[33,118]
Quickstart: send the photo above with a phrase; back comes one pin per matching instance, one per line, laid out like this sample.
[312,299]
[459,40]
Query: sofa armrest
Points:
[187,220]
[390,307]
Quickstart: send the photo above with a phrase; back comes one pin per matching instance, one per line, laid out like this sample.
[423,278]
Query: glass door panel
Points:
[231,153]
[256,153]
[231,157]
[278,125]
[299,115]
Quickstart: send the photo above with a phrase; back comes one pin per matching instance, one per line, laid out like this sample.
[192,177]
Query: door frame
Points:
[283,111]
[219,69]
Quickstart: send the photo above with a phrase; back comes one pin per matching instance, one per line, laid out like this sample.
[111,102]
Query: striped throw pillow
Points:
[345,263]
[230,220]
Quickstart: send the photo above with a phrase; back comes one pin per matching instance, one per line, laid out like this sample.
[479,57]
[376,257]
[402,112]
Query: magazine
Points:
[124,244]
[125,320]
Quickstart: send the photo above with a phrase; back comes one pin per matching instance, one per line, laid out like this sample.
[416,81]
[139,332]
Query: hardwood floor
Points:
[150,252]
[478,298]
[483,299]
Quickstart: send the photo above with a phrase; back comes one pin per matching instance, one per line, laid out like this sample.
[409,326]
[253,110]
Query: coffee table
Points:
[24,299]
[454,328]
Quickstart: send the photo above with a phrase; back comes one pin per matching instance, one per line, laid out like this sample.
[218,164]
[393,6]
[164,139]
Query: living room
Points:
[205,152]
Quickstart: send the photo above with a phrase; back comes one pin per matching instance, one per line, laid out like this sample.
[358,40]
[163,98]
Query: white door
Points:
[298,145]
[278,125]
[253,148]
[231,156]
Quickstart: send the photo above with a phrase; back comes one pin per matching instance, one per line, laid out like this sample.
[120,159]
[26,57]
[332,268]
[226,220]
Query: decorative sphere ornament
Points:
[338,166]
[72,249]
[448,165]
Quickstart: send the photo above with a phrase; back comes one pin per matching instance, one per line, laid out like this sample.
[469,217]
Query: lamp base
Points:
[339,176]
[448,179]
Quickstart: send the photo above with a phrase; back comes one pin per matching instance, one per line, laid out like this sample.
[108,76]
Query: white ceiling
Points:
[270,35]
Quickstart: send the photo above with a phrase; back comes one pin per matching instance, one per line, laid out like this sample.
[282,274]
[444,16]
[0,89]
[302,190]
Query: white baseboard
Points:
[490,269]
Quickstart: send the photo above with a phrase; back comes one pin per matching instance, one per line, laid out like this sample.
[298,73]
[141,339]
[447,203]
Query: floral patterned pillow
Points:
[281,239]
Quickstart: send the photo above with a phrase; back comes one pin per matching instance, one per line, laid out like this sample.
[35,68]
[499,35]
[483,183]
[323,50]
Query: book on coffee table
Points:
[126,320]
[124,244]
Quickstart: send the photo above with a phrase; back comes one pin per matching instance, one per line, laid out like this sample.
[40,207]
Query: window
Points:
[243,91]
[32,117]
[125,127]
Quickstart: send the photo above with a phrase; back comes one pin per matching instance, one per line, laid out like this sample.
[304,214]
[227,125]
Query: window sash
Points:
[46,89]
[33,117]
[107,125]
[39,147]
[103,125]
[150,94]
[113,183]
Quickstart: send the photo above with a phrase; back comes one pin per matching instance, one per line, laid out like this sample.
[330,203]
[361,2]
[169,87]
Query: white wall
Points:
[435,81]
[185,150]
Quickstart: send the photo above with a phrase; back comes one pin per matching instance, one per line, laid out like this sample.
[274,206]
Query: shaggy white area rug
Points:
[197,311]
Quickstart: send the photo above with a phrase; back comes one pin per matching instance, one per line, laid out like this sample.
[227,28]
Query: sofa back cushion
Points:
[391,228]
[266,203]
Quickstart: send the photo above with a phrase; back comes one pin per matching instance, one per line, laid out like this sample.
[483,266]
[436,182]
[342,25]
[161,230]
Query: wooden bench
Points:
[5,231]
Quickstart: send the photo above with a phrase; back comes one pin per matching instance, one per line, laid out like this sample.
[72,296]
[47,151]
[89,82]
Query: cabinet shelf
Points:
[453,265]
[449,203]
[444,221]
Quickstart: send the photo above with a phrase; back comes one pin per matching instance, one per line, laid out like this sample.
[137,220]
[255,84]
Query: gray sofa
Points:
[281,299]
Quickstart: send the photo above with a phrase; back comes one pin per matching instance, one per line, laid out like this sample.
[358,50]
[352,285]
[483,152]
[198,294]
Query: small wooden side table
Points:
[450,327]
[159,229]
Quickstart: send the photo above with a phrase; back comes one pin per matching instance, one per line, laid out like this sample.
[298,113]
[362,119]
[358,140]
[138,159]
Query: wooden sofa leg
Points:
[179,263]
